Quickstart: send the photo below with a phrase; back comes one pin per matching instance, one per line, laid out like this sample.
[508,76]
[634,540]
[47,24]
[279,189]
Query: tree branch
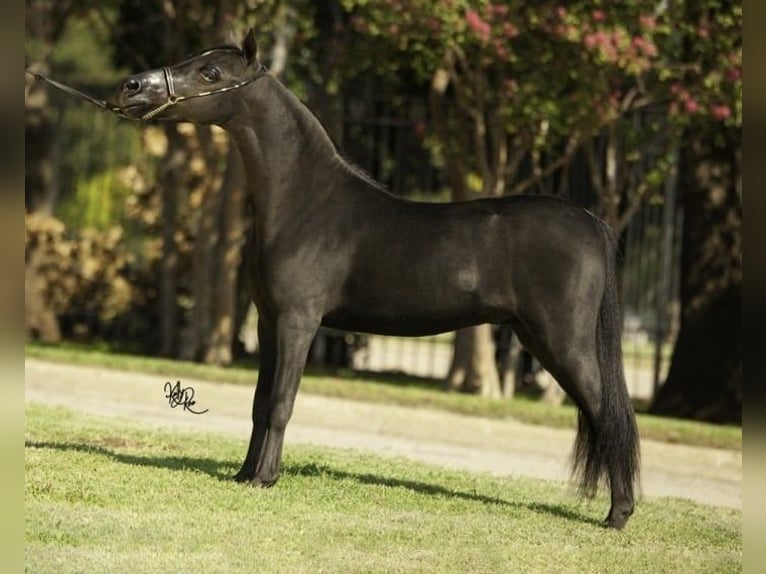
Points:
[572,145]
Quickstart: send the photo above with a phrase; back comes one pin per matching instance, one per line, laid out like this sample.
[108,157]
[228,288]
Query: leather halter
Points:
[172,98]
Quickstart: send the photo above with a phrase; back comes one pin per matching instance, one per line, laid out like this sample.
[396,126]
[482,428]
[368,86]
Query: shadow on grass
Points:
[429,489]
[215,468]
[224,471]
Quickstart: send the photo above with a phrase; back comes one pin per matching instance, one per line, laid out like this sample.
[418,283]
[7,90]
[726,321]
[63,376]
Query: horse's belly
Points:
[404,326]
[410,311]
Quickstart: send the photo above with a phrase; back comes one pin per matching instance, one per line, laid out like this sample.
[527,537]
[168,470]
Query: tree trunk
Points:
[228,254]
[705,377]
[39,166]
[473,367]
[206,242]
[169,182]
[45,22]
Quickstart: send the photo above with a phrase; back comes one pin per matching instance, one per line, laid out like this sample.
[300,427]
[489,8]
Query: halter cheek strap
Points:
[172,98]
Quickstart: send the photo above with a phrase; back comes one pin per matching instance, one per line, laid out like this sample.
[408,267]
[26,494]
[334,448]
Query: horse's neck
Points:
[292,166]
[286,153]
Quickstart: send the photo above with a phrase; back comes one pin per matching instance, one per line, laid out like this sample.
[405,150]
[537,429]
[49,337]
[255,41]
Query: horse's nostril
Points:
[132,85]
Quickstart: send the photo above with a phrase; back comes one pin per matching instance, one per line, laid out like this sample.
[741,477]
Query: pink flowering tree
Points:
[511,83]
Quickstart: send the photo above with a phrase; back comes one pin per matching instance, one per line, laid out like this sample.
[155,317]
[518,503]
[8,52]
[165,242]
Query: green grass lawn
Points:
[401,390]
[107,495]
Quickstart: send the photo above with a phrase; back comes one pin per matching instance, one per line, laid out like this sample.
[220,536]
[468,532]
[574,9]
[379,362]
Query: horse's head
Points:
[198,90]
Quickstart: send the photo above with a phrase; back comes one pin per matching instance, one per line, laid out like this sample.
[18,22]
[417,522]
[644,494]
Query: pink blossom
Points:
[610,53]
[733,74]
[644,45]
[691,105]
[703,32]
[510,30]
[648,22]
[650,49]
[590,41]
[561,12]
[720,112]
[599,15]
[499,9]
[478,25]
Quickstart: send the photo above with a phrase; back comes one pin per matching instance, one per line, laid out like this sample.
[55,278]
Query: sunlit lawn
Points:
[106,495]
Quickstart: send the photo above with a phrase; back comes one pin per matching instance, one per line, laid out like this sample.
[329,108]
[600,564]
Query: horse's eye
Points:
[211,73]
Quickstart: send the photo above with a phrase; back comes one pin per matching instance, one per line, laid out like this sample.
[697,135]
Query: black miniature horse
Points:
[331,247]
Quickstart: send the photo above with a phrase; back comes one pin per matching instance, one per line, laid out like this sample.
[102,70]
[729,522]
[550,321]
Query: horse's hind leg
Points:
[568,350]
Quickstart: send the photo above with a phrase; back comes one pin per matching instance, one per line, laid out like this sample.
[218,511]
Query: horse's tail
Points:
[608,446]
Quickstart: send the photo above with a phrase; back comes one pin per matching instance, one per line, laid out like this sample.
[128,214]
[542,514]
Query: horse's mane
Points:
[230,47]
[319,132]
[344,162]
[359,172]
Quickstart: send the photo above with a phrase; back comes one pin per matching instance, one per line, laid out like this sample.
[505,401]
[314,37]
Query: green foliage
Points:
[110,495]
[87,280]
[703,75]
[99,157]
[83,54]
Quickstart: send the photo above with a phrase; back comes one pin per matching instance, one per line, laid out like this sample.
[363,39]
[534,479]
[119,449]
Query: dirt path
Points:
[503,448]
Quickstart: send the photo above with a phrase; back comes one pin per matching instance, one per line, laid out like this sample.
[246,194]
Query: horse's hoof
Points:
[241,477]
[262,483]
[612,523]
[617,520]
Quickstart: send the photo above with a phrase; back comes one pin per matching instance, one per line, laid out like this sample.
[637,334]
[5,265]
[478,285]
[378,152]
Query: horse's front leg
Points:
[267,362]
[293,339]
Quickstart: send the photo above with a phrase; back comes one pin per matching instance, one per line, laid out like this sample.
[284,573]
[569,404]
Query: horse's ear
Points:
[249,46]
